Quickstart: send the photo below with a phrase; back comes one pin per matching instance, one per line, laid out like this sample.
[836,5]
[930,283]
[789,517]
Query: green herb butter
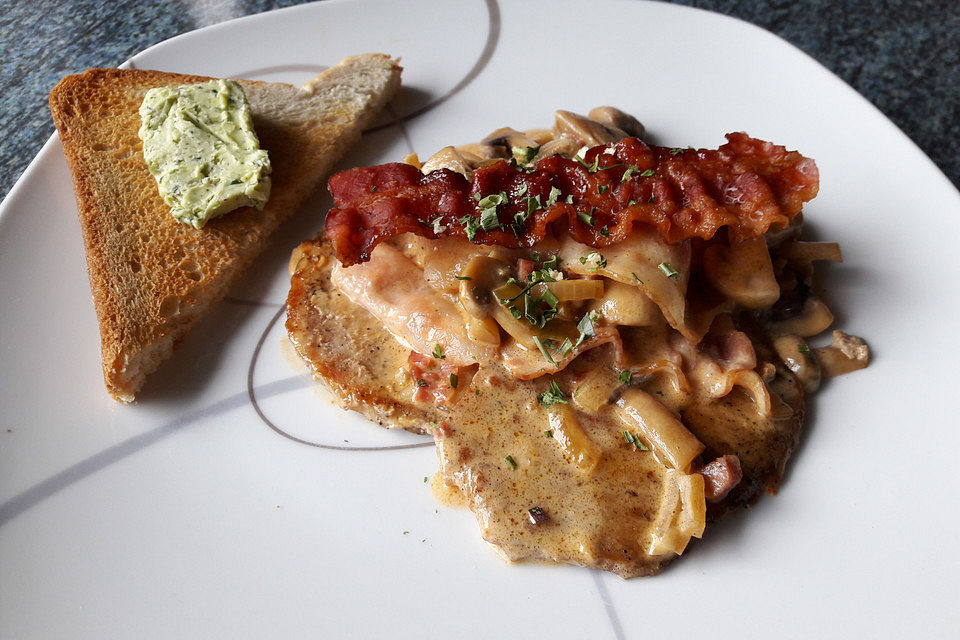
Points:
[199,144]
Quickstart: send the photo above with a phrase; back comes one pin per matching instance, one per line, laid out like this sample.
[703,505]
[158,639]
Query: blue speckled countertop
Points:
[903,55]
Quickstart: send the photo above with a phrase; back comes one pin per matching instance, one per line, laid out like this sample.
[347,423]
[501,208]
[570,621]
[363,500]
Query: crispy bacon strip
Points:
[746,185]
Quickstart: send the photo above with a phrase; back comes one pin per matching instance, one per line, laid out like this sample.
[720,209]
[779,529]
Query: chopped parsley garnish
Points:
[634,439]
[552,198]
[675,151]
[533,203]
[522,190]
[530,309]
[550,298]
[493,200]
[470,225]
[604,231]
[594,260]
[438,352]
[625,376]
[421,382]
[565,347]
[667,269]
[648,173]
[467,278]
[803,348]
[542,275]
[586,218]
[525,155]
[601,188]
[544,352]
[636,277]
[454,380]
[488,210]
[652,199]
[570,199]
[585,326]
[437,227]
[511,462]
[489,219]
[548,433]
[373,188]
[553,395]
[631,169]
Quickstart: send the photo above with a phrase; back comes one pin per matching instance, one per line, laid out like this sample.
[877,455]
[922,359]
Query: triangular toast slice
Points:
[152,277]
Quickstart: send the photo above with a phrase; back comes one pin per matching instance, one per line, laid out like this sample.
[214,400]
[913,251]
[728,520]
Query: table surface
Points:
[902,55]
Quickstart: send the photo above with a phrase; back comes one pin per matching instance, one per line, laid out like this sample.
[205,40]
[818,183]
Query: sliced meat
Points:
[393,289]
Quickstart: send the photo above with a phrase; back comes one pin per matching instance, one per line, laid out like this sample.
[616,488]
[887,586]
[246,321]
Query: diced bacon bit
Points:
[720,477]
[525,268]
[432,380]
[732,349]
[746,185]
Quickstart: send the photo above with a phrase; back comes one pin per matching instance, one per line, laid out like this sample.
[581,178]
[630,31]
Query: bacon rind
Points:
[746,185]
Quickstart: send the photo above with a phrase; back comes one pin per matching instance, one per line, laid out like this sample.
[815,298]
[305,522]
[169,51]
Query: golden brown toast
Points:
[152,277]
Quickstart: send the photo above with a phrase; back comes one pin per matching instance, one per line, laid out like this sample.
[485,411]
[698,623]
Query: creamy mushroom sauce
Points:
[549,458]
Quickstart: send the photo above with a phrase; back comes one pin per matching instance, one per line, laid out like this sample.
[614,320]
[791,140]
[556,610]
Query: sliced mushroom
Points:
[670,440]
[743,272]
[568,290]
[483,330]
[479,278]
[573,440]
[810,251]
[594,389]
[559,145]
[477,155]
[508,139]
[614,118]
[542,136]
[799,359]
[626,304]
[814,318]
[847,353]
[584,130]
[447,158]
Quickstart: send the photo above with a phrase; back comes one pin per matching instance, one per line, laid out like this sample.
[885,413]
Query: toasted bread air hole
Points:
[169,307]
[191,269]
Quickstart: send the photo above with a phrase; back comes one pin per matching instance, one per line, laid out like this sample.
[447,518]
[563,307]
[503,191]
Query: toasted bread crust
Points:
[152,277]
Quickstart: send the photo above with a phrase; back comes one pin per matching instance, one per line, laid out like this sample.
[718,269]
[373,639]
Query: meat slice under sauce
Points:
[533,495]
[500,454]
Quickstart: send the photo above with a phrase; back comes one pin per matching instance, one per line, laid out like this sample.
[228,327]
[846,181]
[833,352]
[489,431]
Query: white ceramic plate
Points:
[187,515]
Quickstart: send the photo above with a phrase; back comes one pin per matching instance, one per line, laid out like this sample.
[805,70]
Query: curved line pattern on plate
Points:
[85,468]
[608,605]
[97,462]
[252,394]
[493,37]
